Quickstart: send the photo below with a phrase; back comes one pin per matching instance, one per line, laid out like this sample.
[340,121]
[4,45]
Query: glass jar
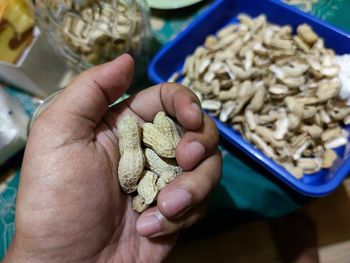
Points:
[91,32]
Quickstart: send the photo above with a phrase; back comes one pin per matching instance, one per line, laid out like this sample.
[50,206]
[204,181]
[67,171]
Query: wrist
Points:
[17,253]
[13,253]
[24,252]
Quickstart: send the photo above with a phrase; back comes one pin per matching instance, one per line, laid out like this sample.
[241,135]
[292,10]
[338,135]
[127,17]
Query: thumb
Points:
[89,95]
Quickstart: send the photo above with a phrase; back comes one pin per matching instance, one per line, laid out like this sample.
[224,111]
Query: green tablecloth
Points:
[244,187]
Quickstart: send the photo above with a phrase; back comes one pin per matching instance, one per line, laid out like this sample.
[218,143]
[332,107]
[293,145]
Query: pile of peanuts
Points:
[147,162]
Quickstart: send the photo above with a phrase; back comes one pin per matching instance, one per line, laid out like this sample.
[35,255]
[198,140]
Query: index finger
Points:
[179,101]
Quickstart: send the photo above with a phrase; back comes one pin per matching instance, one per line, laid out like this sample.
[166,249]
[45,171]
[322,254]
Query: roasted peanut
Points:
[158,165]
[162,136]
[147,187]
[138,204]
[132,160]
[165,178]
[153,137]
[168,127]
[307,34]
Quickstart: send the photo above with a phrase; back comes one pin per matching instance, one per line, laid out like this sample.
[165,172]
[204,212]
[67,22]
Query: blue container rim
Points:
[157,79]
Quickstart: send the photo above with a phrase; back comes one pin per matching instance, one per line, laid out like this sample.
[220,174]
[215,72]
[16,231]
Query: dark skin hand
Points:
[70,207]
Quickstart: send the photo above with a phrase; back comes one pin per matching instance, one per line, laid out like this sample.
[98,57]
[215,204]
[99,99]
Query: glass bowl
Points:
[91,32]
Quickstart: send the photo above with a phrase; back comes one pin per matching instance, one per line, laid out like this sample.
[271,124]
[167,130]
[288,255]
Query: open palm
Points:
[70,206]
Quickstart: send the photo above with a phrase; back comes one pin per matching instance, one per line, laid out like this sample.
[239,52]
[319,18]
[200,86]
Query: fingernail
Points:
[179,201]
[148,225]
[194,151]
[196,111]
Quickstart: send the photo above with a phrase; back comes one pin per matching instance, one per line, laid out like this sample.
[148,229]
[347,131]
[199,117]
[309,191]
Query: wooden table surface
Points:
[319,232]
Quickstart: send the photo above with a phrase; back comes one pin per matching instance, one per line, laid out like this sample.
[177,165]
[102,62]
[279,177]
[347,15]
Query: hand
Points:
[70,206]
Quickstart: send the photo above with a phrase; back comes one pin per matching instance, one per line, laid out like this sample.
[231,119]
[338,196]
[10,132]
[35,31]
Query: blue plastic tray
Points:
[172,56]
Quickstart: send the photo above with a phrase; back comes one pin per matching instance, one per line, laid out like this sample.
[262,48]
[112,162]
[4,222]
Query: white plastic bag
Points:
[13,126]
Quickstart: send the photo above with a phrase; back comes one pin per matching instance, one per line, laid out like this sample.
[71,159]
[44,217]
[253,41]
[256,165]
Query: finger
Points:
[152,223]
[178,101]
[89,95]
[196,146]
[190,189]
